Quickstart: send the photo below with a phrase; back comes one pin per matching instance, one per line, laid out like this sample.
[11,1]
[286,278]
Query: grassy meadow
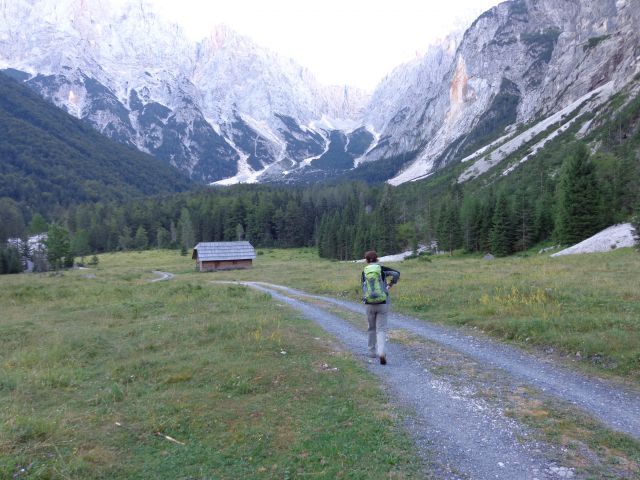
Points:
[105,374]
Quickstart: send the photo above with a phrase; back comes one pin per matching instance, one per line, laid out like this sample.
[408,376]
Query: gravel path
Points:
[616,407]
[457,384]
[163,276]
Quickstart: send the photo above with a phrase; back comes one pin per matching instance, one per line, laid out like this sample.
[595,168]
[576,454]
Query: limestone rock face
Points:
[219,108]
[225,110]
[518,62]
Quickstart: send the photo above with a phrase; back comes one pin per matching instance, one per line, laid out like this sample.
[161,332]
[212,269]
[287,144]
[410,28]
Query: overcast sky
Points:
[355,42]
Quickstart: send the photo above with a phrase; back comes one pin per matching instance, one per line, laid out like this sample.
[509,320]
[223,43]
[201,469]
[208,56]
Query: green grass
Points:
[583,307]
[93,371]
[96,373]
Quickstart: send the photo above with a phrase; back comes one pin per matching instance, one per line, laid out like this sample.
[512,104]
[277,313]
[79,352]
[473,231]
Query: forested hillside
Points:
[565,193]
[268,216]
[576,185]
[50,160]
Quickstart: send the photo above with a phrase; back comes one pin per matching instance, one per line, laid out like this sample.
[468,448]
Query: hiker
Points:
[376,297]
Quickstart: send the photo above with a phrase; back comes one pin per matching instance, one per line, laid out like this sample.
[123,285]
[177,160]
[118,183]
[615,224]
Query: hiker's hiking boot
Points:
[383,360]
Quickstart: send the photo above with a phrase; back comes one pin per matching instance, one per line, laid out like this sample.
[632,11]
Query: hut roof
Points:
[215,251]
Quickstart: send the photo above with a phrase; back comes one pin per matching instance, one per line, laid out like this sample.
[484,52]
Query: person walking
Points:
[375,295]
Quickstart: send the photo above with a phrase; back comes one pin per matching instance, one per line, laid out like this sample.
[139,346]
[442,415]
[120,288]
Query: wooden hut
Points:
[210,256]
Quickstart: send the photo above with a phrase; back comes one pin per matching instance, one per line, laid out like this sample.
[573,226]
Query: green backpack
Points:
[373,287]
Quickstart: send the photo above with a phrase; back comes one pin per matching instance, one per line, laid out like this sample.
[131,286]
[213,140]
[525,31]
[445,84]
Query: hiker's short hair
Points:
[371,256]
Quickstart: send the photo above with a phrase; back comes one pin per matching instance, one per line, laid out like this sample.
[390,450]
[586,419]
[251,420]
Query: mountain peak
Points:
[219,36]
[225,107]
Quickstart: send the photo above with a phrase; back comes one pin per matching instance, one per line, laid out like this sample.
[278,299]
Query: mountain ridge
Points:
[224,110]
[109,73]
[51,160]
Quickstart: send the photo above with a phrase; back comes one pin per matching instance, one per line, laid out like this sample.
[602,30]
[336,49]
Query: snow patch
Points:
[328,123]
[612,238]
[398,257]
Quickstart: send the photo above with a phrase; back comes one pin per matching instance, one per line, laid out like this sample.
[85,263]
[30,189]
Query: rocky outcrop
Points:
[520,61]
[212,108]
[226,109]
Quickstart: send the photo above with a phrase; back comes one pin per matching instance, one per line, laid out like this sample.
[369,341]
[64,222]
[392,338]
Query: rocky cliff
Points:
[226,110]
[518,63]
[222,107]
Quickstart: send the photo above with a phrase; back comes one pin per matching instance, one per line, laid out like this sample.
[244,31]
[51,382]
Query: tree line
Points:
[584,196]
[343,221]
[563,195]
[268,216]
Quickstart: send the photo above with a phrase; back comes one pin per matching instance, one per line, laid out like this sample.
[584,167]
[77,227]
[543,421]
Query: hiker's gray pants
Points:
[377,318]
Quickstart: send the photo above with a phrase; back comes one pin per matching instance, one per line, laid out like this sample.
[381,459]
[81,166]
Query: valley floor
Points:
[141,367]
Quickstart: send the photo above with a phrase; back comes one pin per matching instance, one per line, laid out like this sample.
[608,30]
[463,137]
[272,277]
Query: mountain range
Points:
[50,160]
[225,110]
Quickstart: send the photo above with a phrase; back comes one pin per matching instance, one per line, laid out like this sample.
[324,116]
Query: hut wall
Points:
[208,266]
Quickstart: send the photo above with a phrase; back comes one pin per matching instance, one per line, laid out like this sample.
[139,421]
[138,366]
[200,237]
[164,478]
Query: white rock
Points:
[612,238]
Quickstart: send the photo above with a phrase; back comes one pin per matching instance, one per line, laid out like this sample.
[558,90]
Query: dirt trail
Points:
[459,388]
[163,276]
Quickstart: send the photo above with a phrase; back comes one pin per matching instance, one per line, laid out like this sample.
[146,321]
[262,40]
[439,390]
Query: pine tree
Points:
[293,225]
[362,238]
[185,230]
[486,222]
[58,247]
[523,223]
[543,217]
[37,224]
[162,237]
[471,224]
[141,241]
[578,214]
[449,229]
[11,219]
[80,244]
[321,237]
[501,234]
[385,221]
[236,215]
[124,240]
[10,261]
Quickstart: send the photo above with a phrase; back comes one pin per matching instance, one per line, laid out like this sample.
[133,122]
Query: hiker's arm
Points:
[390,272]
